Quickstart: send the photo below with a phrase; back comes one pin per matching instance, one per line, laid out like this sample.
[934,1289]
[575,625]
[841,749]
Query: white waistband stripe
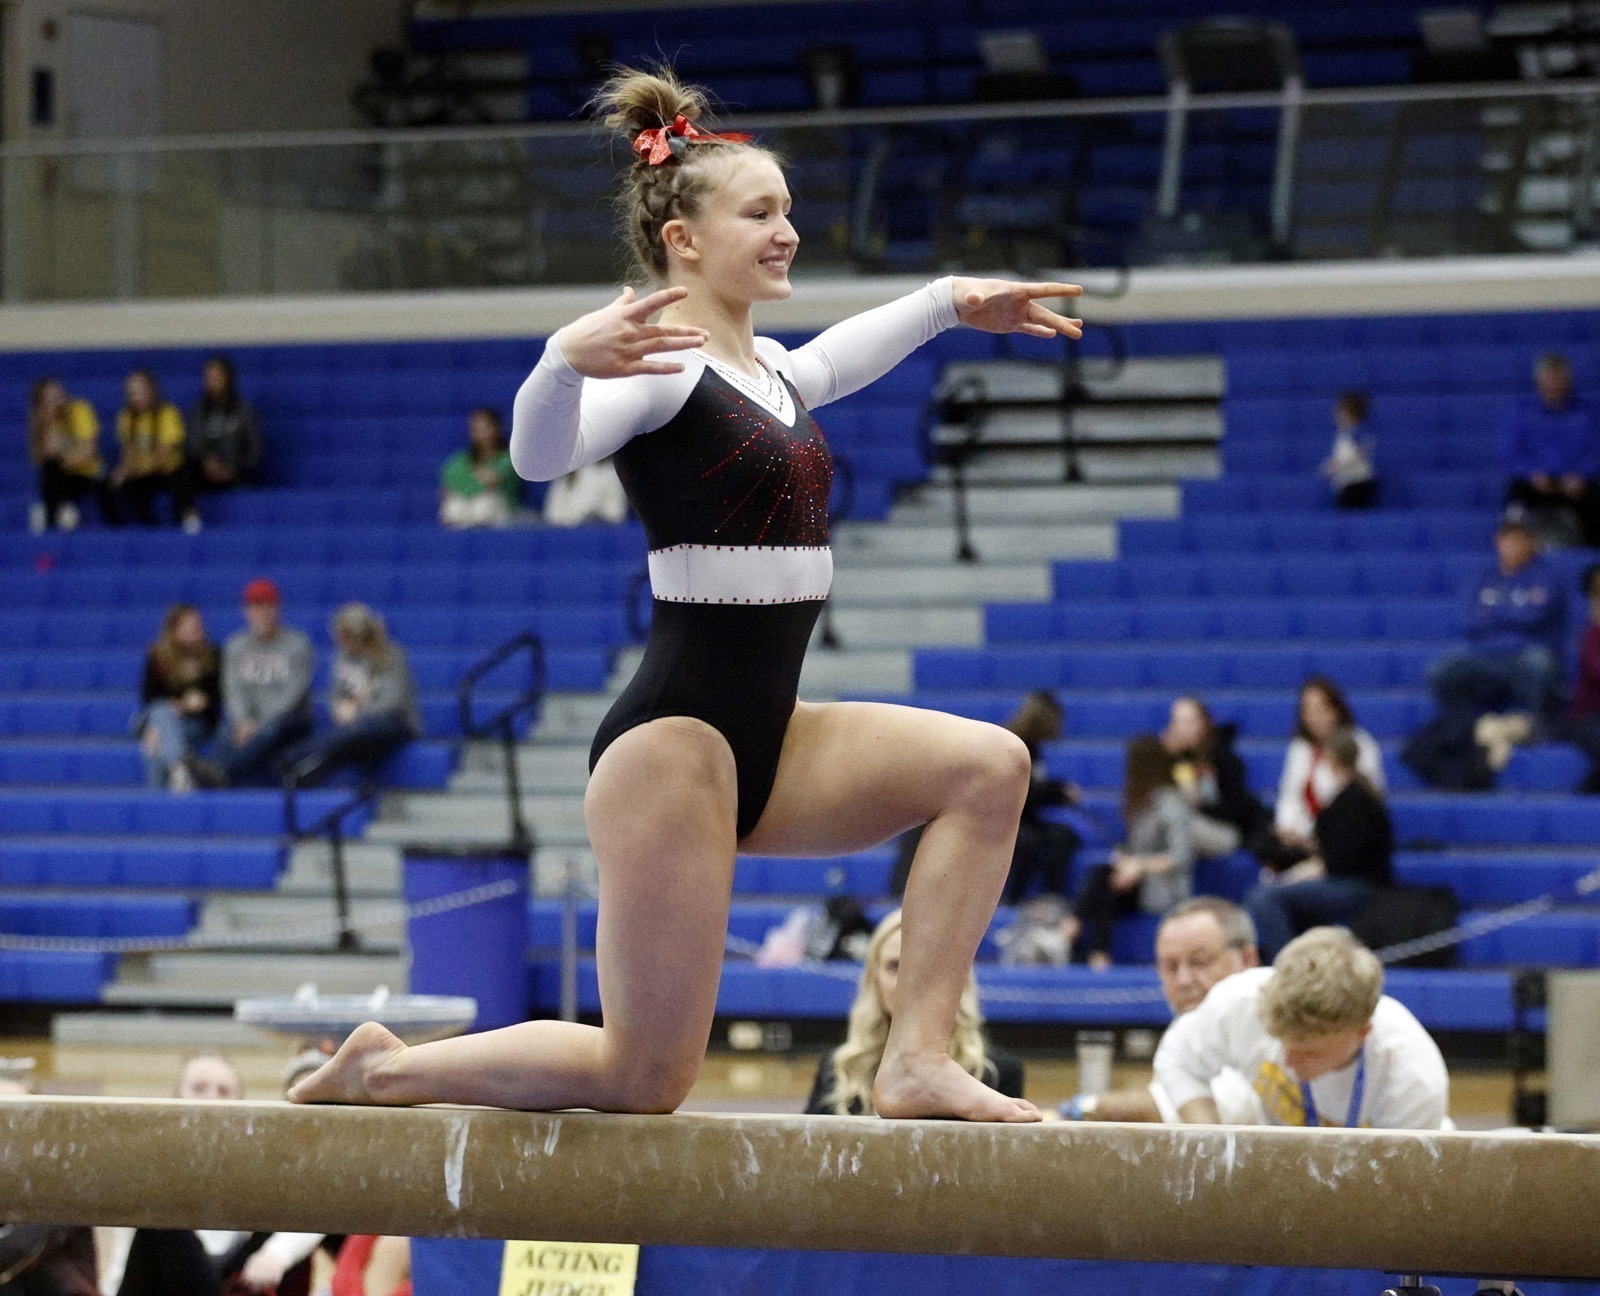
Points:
[741,573]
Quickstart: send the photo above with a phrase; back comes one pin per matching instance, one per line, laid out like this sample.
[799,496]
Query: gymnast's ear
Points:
[679,240]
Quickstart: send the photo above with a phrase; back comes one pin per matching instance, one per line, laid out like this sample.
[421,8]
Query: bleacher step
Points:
[911,542]
[1097,466]
[1151,378]
[1052,503]
[299,921]
[216,980]
[210,1030]
[939,583]
[1182,422]
[371,869]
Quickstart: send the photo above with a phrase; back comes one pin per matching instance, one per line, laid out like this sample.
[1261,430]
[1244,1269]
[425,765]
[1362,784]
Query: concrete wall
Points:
[229,65]
[1442,285]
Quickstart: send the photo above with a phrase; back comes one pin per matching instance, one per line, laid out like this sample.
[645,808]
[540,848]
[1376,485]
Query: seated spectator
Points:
[1550,451]
[1307,782]
[1348,467]
[64,444]
[266,692]
[1154,870]
[224,441]
[372,699]
[1318,1040]
[1211,777]
[208,1262]
[1353,856]
[478,486]
[150,431]
[181,698]
[1199,942]
[1582,727]
[592,493]
[843,1086]
[1044,849]
[373,1266]
[1511,663]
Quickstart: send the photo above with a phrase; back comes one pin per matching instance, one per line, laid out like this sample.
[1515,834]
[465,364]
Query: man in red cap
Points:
[266,688]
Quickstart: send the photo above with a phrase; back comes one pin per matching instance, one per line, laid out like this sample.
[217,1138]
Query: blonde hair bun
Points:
[634,100]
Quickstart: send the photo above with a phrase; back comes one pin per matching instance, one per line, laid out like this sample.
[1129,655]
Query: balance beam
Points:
[1487,1205]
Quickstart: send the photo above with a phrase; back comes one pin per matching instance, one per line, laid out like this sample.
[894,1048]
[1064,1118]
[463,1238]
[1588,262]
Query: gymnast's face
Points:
[1319,1055]
[741,244]
[889,972]
[1192,955]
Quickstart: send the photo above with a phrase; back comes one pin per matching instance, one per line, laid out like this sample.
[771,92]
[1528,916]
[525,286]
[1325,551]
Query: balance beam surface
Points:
[1476,1204]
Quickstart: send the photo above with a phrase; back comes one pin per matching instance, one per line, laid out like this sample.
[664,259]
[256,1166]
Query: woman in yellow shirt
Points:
[64,444]
[150,431]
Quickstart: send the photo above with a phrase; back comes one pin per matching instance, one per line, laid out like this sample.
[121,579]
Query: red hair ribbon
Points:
[661,143]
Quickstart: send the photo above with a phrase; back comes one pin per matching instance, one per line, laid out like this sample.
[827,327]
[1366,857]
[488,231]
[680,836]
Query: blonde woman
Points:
[372,698]
[844,1077]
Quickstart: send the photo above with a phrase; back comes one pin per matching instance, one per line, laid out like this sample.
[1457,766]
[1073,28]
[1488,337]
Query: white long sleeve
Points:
[562,420]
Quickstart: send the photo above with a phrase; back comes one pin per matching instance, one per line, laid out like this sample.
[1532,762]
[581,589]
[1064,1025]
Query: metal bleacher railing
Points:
[1384,171]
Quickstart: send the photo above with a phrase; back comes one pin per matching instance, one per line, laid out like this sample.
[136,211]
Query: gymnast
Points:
[707,751]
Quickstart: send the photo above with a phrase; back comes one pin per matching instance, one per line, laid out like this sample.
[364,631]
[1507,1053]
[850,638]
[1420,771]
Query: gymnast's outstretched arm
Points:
[861,349]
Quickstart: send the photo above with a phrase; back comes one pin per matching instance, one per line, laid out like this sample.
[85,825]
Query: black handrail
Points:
[503,723]
[331,826]
[967,401]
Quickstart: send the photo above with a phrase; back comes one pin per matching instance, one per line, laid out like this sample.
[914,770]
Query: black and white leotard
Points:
[730,476]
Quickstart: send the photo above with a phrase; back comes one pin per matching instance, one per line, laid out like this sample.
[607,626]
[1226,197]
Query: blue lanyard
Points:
[1357,1092]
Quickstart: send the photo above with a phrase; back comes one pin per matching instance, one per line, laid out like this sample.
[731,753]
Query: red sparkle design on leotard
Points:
[799,510]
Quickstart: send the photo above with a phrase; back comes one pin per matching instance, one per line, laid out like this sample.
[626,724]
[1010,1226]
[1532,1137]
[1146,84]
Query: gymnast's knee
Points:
[997,773]
[655,1086]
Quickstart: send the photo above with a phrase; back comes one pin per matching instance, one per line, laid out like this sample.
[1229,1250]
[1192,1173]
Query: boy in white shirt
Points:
[1317,1038]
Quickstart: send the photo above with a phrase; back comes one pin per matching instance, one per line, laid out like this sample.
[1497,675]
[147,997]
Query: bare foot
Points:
[351,1074]
[920,1085]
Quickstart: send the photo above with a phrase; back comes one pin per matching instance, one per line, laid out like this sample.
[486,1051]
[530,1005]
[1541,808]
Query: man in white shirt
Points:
[1318,1040]
[1200,942]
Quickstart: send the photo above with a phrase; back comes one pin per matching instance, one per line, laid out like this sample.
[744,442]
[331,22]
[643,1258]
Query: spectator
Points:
[1509,673]
[224,443]
[372,699]
[1307,782]
[1211,777]
[1199,942]
[181,698]
[64,444]
[1044,848]
[1353,845]
[177,1262]
[1155,869]
[1317,1038]
[150,431]
[1550,450]
[266,690]
[1348,467]
[478,486]
[592,493]
[368,1265]
[843,1086]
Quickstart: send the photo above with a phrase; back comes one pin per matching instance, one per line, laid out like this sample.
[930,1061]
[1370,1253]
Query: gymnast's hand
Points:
[614,341]
[1001,306]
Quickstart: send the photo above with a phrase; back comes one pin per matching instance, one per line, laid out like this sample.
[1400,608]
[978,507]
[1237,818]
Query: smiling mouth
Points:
[776,263]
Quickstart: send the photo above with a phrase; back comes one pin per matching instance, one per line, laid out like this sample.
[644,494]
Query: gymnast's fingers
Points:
[1053,290]
[648,306]
[649,367]
[694,336]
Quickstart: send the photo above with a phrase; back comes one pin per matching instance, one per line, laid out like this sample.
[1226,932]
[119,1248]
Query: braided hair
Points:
[633,101]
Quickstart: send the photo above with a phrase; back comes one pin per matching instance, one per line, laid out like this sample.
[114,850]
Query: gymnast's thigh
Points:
[855,774]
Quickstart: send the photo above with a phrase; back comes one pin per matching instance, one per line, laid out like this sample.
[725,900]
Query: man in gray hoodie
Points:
[266,689]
